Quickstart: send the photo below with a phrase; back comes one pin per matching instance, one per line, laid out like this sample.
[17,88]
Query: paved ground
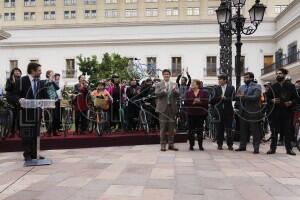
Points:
[143,172]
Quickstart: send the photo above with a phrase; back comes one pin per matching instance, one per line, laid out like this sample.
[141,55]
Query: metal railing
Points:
[281,63]
[216,71]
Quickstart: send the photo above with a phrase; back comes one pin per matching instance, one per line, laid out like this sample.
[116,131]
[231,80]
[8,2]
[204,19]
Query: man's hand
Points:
[288,103]
[21,100]
[275,100]
[197,101]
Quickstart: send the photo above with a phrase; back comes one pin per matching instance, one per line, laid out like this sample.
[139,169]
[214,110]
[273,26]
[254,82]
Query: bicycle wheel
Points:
[297,135]
[99,123]
[92,122]
[6,123]
[144,123]
[67,121]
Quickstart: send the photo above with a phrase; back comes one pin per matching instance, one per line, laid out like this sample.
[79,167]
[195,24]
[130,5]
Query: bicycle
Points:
[144,116]
[181,117]
[98,117]
[138,70]
[6,119]
[211,120]
[297,135]
[66,116]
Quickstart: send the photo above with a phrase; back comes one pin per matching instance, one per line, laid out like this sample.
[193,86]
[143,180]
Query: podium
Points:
[37,104]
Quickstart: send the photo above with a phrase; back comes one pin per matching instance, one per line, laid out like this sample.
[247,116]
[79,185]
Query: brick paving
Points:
[145,173]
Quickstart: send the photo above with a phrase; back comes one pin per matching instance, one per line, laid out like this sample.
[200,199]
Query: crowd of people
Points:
[276,107]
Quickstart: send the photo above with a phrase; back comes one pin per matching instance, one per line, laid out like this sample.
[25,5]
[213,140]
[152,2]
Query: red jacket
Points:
[200,109]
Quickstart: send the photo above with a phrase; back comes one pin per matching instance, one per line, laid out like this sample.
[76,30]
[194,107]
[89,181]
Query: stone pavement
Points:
[145,173]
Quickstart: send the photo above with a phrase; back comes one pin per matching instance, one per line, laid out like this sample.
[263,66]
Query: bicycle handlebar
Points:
[144,98]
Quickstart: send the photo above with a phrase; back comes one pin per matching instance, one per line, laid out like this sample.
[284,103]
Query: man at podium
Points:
[30,87]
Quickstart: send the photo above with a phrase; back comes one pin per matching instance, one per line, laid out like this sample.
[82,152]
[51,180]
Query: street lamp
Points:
[236,25]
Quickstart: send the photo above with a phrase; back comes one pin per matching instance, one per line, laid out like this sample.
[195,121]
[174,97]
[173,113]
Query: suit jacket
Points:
[11,89]
[30,116]
[162,97]
[196,109]
[286,92]
[223,107]
[250,107]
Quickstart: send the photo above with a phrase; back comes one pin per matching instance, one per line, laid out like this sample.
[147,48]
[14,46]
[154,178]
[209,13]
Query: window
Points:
[49,2]
[211,10]
[172,11]
[211,66]
[151,12]
[193,11]
[90,2]
[9,16]
[89,14]
[111,13]
[278,58]
[28,16]
[268,60]
[279,8]
[151,1]
[130,12]
[28,3]
[9,3]
[70,68]
[69,2]
[176,66]
[292,52]
[151,66]
[49,15]
[70,14]
[111,1]
[130,1]
[13,64]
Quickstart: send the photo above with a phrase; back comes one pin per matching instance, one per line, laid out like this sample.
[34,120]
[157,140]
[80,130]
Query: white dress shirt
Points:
[223,89]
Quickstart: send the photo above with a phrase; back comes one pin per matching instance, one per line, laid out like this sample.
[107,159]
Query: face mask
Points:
[279,78]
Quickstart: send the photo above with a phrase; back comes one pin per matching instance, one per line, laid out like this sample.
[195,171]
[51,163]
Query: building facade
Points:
[172,34]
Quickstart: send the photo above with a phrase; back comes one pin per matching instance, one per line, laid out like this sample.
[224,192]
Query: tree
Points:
[110,64]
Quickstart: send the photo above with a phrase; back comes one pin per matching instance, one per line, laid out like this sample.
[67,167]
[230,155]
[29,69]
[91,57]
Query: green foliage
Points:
[110,64]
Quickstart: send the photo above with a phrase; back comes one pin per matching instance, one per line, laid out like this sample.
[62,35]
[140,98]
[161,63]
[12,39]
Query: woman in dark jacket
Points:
[196,103]
[12,98]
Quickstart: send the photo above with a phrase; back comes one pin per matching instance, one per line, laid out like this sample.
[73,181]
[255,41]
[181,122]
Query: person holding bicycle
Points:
[81,90]
[132,94]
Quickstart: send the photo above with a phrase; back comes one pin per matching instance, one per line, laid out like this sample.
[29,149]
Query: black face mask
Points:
[247,82]
[279,78]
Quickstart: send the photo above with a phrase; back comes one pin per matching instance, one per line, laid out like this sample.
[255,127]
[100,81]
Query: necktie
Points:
[168,93]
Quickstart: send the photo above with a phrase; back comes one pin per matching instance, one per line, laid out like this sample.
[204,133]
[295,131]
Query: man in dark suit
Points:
[281,97]
[30,87]
[250,113]
[222,102]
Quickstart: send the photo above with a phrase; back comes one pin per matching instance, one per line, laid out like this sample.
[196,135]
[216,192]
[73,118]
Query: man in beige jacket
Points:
[167,93]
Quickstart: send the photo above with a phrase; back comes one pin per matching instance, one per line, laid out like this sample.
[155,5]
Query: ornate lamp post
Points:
[236,25]
[226,47]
